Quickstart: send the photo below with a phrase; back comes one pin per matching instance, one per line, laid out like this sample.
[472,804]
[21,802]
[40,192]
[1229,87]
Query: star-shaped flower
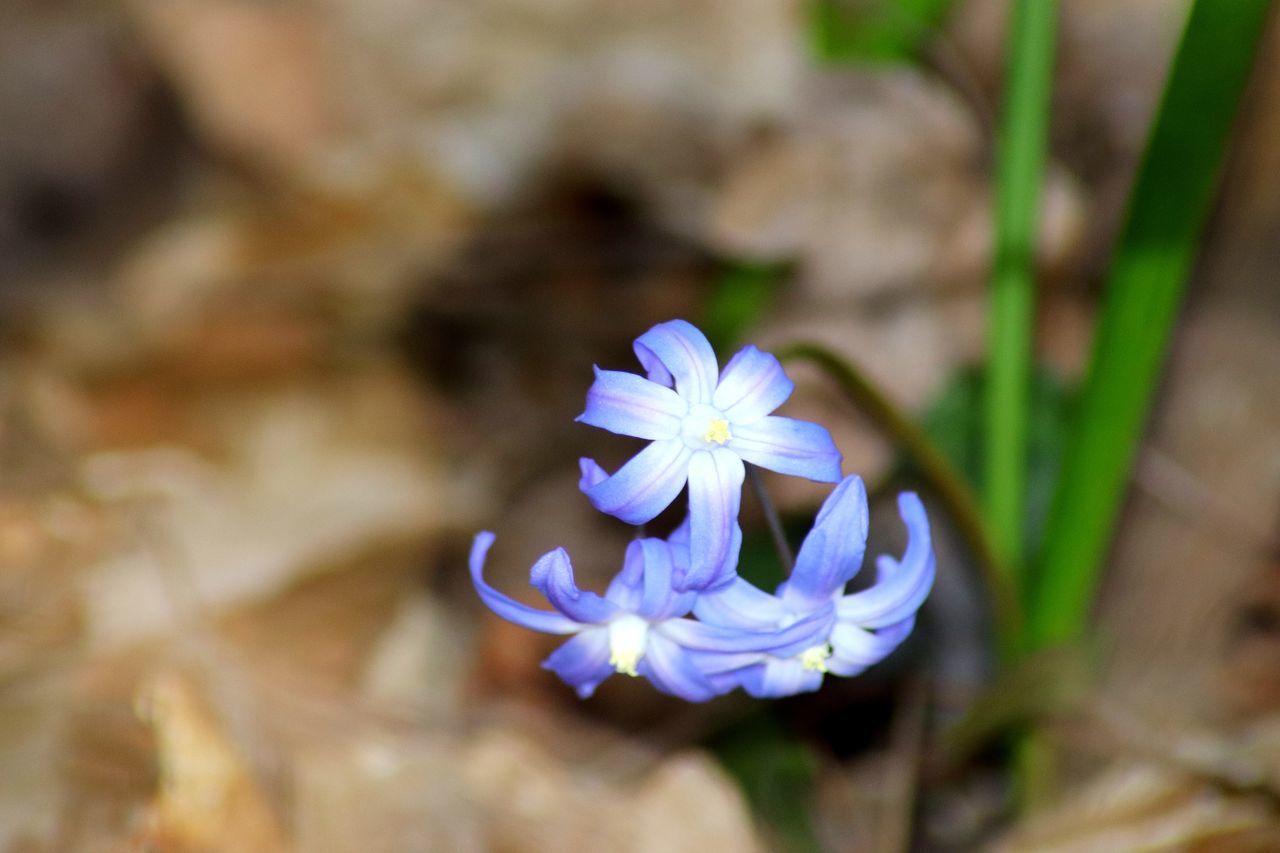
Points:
[636,628]
[703,425]
[850,632]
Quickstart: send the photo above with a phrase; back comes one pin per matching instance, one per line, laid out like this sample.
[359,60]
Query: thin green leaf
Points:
[1020,164]
[1171,198]
[953,422]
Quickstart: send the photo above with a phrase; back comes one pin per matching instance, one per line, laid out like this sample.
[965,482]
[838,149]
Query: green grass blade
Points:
[953,421]
[1020,165]
[1167,209]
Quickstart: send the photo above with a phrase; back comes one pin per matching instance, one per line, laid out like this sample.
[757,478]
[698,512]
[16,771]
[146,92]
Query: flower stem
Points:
[771,517]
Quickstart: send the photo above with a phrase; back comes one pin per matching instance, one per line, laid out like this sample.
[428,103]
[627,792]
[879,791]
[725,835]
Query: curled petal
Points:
[751,386]
[508,608]
[715,494]
[670,669]
[679,541]
[740,605]
[645,486]
[627,587]
[901,587]
[628,404]
[553,575]
[582,662]
[854,649]
[676,351]
[788,446]
[832,552]
[592,473]
[660,600]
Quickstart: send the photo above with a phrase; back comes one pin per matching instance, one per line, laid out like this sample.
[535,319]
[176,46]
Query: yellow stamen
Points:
[717,431]
[814,658]
[624,663]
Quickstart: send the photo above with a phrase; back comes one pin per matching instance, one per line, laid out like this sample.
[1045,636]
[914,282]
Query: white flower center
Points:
[814,658]
[705,427]
[627,636]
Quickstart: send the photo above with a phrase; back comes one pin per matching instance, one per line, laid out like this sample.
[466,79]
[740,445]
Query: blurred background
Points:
[297,296]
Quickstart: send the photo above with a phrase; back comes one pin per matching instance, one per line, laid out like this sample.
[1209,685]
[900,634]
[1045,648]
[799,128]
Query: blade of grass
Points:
[1167,209]
[953,421]
[1020,164]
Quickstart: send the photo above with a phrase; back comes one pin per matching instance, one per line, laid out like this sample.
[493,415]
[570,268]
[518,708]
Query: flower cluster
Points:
[677,613]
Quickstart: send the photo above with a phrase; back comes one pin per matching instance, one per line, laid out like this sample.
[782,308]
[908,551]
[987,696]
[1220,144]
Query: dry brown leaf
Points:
[254,75]
[1146,807]
[879,185]
[208,800]
[298,478]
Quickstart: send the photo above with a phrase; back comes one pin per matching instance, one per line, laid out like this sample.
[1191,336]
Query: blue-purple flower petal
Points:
[901,587]
[779,677]
[788,446]
[508,608]
[740,605]
[660,599]
[832,552]
[853,649]
[676,349]
[627,587]
[628,404]
[592,473]
[670,669]
[645,486]
[715,494]
[582,662]
[714,664]
[679,538]
[810,630]
[553,575]
[679,542]
[751,386]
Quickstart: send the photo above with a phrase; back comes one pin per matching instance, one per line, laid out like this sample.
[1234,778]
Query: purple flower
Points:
[703,424]
[636,628]
[848,632]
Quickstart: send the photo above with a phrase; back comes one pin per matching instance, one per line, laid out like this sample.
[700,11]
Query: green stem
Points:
[1019,167]
[946,483]
[1036,760]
